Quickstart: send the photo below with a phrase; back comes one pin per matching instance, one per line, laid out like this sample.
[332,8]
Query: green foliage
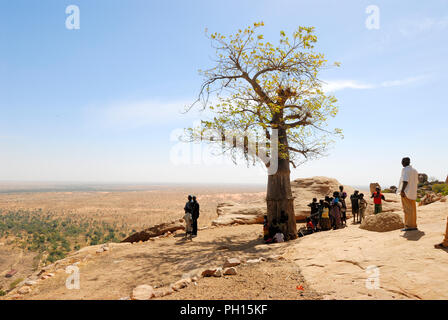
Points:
[260,87]
[440,188]
[41,233]
[2,293]
[15,283]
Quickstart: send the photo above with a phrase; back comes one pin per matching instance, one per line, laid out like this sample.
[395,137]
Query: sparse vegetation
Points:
[15,283]
[41,232]
[440,188]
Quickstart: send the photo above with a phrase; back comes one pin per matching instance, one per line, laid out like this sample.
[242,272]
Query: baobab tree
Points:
[260,91]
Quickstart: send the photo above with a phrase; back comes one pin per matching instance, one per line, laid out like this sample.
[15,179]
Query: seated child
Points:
[265,228]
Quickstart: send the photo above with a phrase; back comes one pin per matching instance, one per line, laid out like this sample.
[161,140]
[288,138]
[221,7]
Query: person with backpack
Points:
[195,215]
[324,221]
[335,211]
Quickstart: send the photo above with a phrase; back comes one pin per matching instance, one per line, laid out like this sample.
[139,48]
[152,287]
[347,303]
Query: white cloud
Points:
[402,82]
[414,27]
[337,85]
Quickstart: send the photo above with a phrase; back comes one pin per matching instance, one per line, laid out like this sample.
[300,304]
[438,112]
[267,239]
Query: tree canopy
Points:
[257,87]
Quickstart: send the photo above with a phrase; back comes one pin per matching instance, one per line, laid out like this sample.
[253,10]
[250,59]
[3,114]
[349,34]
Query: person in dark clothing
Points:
[188,217]
[342,196]
[188,205]
[195,215]
[284,225]
[354,198]
[314,216]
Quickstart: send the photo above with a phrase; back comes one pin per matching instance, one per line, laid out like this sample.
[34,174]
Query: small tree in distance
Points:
[270,93]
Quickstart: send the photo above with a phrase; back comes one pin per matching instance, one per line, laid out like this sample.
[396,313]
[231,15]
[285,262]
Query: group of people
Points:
[191,217]
[331,212]
[276,231]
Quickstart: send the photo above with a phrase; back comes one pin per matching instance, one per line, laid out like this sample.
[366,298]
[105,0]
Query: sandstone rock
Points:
[161,292]
[252,261]
[100,250]
[106,249]
[382,222]
[373,187]
[30,282]
[446,180]
[429,198]
[422,177]
[232,262]
[208,272]
[156,231]
[230,271]
[142,292]
[275,257]
[194,279]
[24,290]
[303,190]
[218,273]
[180,284]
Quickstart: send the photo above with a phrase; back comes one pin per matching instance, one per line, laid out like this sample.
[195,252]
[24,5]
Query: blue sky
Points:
[100,103]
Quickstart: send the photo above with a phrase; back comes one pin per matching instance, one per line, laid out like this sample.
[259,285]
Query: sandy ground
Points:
[329,265]
[136,208]
[113,274]
[336,263]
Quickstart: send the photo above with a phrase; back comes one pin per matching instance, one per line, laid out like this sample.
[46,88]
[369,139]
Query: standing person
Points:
[188,217]
[444,244]
[354,198]
[324,222]
[195,216]
[335,211]
[188,206]
[377,200]
[362,207]
[314,211]
[408,191]
[342,196]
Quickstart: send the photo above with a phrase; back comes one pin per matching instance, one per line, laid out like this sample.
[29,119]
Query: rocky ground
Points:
[350,263]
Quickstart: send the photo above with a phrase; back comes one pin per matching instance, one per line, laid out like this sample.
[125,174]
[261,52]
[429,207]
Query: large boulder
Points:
[422,177]
[303,190]
[373,187]
[156,231]
[232,212]
[382,222]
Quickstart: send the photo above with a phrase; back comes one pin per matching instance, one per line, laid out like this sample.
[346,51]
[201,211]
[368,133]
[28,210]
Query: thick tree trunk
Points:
[279,196]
